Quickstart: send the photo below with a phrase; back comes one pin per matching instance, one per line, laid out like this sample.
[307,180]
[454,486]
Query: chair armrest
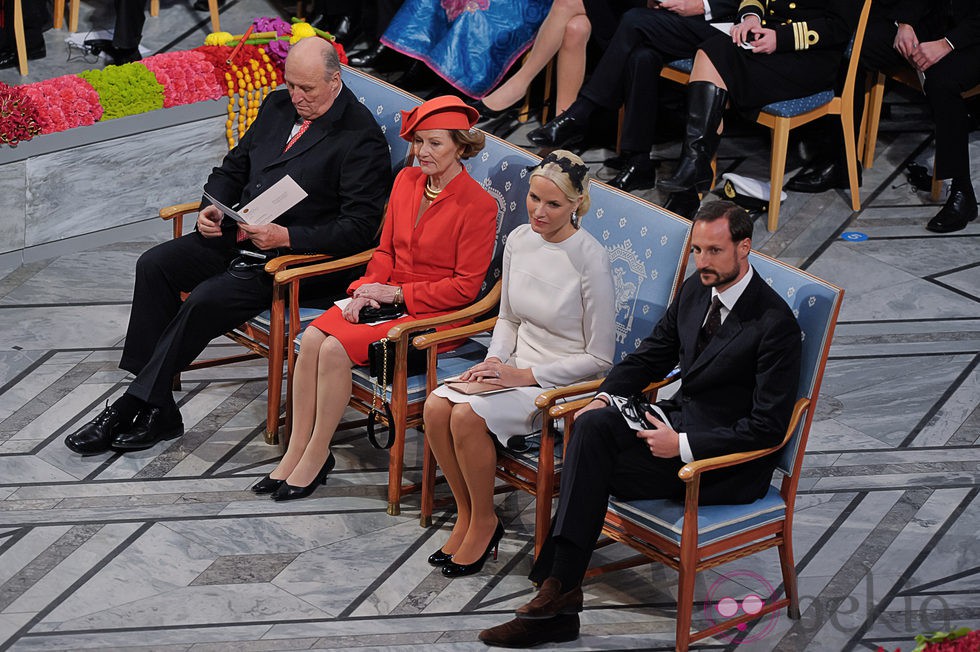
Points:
[690,472]
[473,310]
[552,396]
[170,212]
[290,275]
[280,263]
[432,339]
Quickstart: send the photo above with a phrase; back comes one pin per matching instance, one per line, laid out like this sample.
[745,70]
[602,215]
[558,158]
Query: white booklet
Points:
[276,200]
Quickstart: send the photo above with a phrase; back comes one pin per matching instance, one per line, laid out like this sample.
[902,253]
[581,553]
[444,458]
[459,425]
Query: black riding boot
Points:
[705,106]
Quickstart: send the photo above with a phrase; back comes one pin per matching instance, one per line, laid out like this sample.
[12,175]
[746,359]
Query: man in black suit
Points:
[628,73]
[942,41]
[315,132]
[738,346]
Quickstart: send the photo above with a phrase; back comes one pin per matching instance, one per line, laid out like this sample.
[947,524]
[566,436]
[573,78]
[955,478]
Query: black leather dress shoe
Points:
[561,132]
[8,58]
[202,5]
[368,58]
[821,176]
[96,436]
[955,214]
[151,426]
[341,30]
[636,176]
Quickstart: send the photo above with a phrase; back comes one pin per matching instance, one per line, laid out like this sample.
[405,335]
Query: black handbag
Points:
[381,365]
[383,312]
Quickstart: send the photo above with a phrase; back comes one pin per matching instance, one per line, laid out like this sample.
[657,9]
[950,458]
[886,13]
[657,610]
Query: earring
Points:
[574,219]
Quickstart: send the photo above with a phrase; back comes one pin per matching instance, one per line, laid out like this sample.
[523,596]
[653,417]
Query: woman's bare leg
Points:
[571,61]
[333,389]
[477,458]
[546,45]
[437,416]
[704,70]
[304,401]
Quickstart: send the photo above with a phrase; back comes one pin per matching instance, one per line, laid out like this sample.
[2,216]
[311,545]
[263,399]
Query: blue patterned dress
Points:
[469,43]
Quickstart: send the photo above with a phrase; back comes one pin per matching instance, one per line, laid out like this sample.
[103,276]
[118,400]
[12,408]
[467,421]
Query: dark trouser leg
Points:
[643,71]
[130,16]
[36,16]
[945,81]
[604,458]
[164,334]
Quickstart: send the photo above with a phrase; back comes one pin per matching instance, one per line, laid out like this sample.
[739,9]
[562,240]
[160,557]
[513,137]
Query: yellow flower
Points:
[301,31]
[217,38]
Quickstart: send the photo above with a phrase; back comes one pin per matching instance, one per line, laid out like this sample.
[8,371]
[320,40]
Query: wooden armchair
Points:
[265,335]
[691,538]
[647,249]
[501,168]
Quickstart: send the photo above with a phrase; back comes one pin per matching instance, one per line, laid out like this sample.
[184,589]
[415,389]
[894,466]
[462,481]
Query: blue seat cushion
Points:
[448,364]
[306,315]
[715,522]
[800,105]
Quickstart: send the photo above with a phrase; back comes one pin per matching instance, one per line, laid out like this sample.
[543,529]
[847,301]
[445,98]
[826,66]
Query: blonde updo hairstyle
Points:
[570,174]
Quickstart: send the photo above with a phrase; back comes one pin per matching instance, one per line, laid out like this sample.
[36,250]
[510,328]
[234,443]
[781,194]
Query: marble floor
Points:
[167,549]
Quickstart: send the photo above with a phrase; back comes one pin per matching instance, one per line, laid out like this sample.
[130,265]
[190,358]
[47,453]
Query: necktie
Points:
[292,141]
[711,325]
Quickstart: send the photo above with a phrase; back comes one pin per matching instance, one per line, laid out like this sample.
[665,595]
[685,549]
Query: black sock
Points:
[128,406]
[963,185]
[581,109]
[639,159]
[570,564]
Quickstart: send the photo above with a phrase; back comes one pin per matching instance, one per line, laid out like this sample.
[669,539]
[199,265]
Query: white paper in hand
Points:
[279,198]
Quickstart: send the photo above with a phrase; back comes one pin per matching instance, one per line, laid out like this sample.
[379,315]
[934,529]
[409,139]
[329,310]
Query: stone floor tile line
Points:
[40,615]
[47,355]
[924,588]
[920,557]
[940,402]
[476,602]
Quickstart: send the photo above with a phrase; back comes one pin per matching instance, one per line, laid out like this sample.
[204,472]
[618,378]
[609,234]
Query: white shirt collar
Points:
[730,296]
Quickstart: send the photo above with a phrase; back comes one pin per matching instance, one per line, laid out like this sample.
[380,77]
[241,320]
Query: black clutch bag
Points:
[383,312]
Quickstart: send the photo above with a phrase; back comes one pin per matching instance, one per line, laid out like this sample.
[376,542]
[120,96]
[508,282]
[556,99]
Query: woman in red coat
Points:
[435,249]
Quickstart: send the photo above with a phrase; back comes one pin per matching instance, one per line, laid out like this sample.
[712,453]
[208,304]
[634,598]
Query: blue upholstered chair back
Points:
[647,248]
[386,103]
[815,304]
[502,170]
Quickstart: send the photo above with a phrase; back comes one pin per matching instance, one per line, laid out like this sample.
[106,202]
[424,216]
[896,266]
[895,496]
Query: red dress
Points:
[440,263]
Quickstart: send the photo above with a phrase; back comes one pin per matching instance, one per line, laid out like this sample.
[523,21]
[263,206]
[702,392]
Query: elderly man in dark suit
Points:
[738,346]
[628,74]
[315,132]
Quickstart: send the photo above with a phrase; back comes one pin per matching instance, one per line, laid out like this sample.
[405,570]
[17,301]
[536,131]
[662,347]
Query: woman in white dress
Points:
[556,326]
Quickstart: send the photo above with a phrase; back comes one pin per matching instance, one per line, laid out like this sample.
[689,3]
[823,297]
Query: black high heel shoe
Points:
[440,558]
[288,492]
[486,113]
[266,485]
[452,569]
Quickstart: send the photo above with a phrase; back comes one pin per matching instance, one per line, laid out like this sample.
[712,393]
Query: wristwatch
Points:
[399,295]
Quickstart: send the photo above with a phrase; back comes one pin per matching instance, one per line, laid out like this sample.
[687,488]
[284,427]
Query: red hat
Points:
[444,112]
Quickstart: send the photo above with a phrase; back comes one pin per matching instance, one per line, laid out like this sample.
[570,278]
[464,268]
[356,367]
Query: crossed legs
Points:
[565,32]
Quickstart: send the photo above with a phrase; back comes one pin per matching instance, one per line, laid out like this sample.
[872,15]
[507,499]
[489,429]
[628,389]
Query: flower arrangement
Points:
[17,116]
[186,77]
[68,102]
[125,90]
[958,640]
[245,67]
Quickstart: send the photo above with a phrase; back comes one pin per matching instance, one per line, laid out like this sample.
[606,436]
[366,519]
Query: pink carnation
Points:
[186,77]
[64,103]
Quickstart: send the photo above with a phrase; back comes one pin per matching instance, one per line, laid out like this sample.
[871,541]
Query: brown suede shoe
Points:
[526,633]
[551,602]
